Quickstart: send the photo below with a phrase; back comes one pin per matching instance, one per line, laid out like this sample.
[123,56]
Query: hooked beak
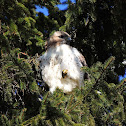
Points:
[68,40]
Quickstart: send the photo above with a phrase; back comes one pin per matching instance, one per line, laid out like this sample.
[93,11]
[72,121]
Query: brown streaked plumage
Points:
[61,64]
[57,38]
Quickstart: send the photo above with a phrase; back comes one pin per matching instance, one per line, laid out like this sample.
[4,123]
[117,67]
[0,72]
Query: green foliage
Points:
[17,85]
[98,31]
[98,102]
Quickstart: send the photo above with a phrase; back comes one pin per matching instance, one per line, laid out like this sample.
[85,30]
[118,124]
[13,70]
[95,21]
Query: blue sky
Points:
[43,10]
[61,6]
[122,77]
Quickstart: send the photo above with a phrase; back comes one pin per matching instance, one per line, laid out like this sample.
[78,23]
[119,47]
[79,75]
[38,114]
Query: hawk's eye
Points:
[61,36]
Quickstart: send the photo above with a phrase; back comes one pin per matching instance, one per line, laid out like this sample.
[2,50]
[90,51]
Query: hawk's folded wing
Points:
[82,60]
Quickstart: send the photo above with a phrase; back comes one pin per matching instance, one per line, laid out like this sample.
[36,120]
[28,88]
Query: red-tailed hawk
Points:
[61,64]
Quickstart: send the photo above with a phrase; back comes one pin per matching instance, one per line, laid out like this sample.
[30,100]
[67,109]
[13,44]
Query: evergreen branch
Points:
[124,81]
[0,27]
[71,99]
[69,105]
[59,103]
[22,53]
[29,121]
[103,70]
[14,60]
[46,98]
[74,106]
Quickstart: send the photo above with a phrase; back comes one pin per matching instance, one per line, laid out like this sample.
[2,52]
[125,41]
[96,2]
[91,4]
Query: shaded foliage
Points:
[98,30]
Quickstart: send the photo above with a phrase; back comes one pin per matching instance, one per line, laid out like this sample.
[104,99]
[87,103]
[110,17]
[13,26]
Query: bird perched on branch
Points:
[61,64]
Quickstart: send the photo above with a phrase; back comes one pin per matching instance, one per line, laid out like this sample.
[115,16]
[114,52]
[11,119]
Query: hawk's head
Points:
[59,37]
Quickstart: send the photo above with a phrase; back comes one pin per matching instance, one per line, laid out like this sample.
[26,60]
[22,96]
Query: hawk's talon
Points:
[64,73]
